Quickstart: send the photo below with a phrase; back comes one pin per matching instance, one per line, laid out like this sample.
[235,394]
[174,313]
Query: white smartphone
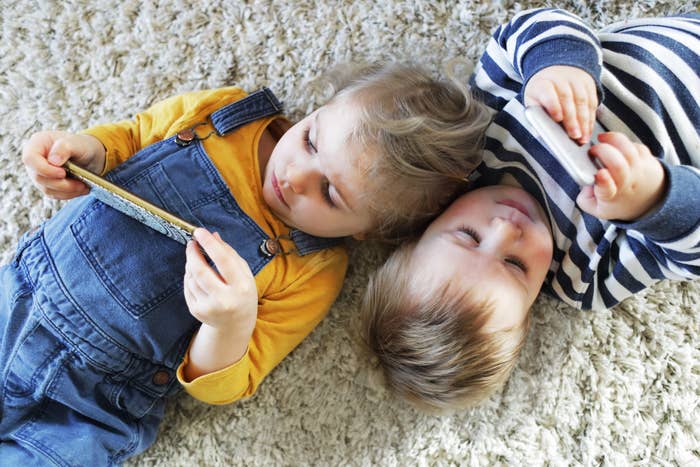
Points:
[573,157]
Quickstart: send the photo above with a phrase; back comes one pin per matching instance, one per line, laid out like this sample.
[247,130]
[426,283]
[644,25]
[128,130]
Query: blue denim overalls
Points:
[92,310]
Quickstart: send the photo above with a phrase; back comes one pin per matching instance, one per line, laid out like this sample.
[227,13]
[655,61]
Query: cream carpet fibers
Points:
[612,388]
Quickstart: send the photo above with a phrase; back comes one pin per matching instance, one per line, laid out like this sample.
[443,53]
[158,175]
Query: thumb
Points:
[587,201]
[58,154]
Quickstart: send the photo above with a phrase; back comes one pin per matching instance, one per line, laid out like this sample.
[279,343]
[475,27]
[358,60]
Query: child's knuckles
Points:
[642,150]
[564,92]
[581,100]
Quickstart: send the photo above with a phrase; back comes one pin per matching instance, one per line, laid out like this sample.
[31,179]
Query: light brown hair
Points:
[427,132]
[432,347]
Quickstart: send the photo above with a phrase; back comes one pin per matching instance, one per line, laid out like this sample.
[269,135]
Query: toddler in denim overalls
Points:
[97,325]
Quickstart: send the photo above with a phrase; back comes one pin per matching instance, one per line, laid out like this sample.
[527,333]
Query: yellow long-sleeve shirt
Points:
[294,292]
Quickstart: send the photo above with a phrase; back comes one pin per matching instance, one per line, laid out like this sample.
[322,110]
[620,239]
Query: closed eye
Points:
[307,142]
[326,192]
[325,184]
[471,232]
[516,262]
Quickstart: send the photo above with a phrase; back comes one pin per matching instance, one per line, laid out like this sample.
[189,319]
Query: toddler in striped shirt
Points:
[447,314]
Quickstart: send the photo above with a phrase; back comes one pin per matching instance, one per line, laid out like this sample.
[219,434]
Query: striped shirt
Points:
[648,76]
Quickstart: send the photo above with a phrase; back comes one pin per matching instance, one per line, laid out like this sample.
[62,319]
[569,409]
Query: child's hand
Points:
[226,300]
[631,184]
[45,152]
[568,94]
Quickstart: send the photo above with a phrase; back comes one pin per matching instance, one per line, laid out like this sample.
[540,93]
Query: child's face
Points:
[313,179]
[496,238]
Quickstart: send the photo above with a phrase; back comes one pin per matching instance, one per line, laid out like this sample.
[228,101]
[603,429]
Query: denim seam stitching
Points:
[134,309]
[46,450]
[92,324]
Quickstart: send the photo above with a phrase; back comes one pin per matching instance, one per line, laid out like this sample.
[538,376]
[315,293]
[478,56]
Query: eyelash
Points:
[511,259]
[471,232]
[325,191]
[325,186]
[517,263]
[307,141]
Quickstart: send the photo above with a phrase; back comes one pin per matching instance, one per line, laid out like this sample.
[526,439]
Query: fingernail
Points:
[54,159]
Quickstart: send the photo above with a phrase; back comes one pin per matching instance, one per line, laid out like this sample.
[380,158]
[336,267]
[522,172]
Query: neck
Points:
[268,141]
[509,180]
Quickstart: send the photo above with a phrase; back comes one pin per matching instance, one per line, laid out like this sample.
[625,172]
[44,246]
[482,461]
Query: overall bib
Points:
[92,312]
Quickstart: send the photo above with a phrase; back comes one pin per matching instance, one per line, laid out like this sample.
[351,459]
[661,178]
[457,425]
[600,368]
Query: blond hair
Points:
[427,132]
[432,348]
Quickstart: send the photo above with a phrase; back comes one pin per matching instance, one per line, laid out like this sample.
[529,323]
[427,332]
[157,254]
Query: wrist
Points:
[234,329]
[215,348]
[99,154]
[678,212]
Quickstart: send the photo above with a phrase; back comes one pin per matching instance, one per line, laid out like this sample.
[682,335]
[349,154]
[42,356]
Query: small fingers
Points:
[65,188]
[592,102]
[61,151]
[586,99]
[643,150]
[605,187]
[570,109]
[196,291]
[38,165]
[199,270]
[190,297]
[586,200]
[227,261]
[628,149]
[544,94]
[583,116]
[617,165]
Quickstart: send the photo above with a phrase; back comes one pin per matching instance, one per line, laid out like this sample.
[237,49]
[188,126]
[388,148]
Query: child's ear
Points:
[360,236]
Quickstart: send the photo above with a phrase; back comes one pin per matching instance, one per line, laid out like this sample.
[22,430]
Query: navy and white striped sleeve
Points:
[670,236]
[652,88]
[531,41]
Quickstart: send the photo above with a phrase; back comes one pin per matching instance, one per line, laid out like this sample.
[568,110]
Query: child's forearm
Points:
[214,349]
[224,300]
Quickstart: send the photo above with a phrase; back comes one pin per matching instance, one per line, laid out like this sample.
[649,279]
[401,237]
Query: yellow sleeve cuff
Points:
[220,387]
[113,144]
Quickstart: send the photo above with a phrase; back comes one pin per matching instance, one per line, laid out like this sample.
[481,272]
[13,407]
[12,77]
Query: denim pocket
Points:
[139,267]
[36,359]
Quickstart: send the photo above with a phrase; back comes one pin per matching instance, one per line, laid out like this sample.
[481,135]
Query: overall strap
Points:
[255,106]
[306,243]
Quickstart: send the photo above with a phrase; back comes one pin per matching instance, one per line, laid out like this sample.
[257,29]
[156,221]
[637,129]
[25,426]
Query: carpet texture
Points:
[617,387]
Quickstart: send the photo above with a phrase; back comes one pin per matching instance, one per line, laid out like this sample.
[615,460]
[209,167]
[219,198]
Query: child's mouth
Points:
[277,190]
[517,206]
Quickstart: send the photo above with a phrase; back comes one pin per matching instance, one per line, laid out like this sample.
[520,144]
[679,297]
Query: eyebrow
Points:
[336,185]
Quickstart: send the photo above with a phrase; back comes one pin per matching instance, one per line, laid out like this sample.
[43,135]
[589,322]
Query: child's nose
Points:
[300,175]
[504,232]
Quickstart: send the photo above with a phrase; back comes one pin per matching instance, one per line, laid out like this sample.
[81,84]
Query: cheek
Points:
[541,248]
[286,143]
[542,254]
